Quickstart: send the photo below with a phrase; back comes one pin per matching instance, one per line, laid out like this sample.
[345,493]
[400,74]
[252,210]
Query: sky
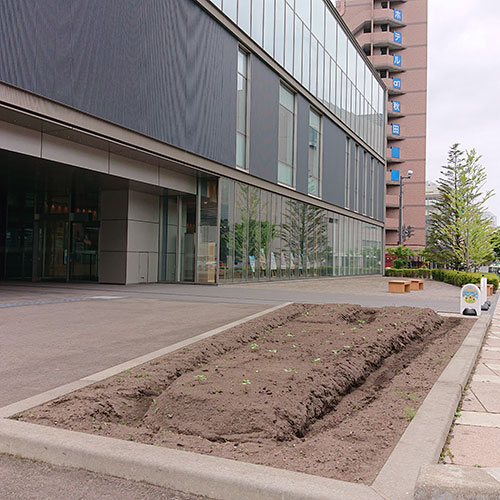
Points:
[463,101]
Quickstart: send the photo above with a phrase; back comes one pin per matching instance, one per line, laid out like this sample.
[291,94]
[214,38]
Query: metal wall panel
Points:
[160,67]
[333,181]
[264,119]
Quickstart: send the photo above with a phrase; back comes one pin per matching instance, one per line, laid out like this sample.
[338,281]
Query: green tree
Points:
[460,231]
[401,256]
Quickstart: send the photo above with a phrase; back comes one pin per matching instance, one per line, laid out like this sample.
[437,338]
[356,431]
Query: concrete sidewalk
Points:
[475,438]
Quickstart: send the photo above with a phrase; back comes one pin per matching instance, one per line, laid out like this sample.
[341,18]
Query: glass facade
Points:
[266,236]
[304,37]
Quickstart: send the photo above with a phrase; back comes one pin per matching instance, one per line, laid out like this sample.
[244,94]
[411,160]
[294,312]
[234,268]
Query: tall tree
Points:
[460,231]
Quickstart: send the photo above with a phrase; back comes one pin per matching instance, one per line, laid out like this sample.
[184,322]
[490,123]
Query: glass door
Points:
[84,250]
[55,249]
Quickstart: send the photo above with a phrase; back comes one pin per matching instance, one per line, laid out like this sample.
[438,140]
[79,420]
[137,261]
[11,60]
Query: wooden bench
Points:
[417,284]
[398,286]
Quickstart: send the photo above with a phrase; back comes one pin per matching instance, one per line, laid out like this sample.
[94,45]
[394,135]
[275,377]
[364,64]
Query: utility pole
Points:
[400,232]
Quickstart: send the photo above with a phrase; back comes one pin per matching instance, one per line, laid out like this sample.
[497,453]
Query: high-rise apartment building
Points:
[393,34]
[195,141]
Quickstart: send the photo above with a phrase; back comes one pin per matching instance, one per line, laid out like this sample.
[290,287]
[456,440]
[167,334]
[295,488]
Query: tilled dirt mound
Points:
[288,389]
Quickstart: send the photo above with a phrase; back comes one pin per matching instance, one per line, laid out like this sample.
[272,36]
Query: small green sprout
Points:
[342,334]
[354,328]
[335,351]
[254,346]
[315,360]
[364,338]
[197,377]
[347,347]
[290,335]
[294,346]
[245,382]
[290,370]
[380,330]
[274,351]
[410,413]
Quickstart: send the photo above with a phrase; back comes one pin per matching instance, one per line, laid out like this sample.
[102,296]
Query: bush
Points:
[461,278]
[421,272]
[457,278]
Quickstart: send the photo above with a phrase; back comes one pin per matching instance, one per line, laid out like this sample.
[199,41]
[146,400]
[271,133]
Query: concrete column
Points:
[113,237]
[143,237]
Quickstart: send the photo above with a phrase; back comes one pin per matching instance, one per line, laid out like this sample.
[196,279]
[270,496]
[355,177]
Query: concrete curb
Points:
[179,470]
[426,435]
[232,480]
[453,482]
[62,390]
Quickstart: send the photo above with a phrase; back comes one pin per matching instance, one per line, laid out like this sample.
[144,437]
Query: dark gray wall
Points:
[381,190]
[333,183]
[160,67]
[264,120]
[302,174]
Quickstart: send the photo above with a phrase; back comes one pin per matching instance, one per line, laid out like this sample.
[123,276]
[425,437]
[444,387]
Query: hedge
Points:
[458,278]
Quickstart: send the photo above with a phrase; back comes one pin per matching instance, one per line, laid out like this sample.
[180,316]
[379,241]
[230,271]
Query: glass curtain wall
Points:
[266,236]
[304,37]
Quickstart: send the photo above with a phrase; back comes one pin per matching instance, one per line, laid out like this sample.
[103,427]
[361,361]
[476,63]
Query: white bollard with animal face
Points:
[470,300]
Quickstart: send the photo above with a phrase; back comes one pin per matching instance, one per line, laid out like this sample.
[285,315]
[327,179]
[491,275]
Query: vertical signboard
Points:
[396,106]
[398,15]
[396,83]
[395,152]
[396,129]
[398,37]
[396,60]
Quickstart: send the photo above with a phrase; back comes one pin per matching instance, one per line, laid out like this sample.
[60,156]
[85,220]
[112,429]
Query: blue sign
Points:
[396,129]
[394,175]
[398,15]
[395,152]
[396,106]
[396,83]
[397,60]
[398,37]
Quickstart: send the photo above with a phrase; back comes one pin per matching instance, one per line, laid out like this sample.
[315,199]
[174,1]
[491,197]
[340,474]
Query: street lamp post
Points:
[401,177]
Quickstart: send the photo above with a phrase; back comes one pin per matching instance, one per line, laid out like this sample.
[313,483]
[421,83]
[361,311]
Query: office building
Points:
[187,141]
[393,34]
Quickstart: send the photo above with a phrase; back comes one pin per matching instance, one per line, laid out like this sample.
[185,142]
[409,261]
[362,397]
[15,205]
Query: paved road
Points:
[27,480]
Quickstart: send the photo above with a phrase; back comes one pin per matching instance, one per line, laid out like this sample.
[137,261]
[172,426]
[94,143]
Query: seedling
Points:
[290,370]
[361,321]
[303,331]
[335,351]
[342,334]
[364,338]
[380,330]
[294,346]
[245,382]
[254,346]
[290,335]
[274,351]
[410,413]
[199,378]
[354,328]
[315,360]
[347,347]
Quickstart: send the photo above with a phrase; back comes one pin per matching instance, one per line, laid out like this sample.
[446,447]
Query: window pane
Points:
[244,15]
[242,63]
[285,174]
[241,146]
[306,56]
[287,98]
[289,31]
[331,35]
[303,9]
[280,31]
[297,65]
[318,19]
[242,105]
[230,8]
[285,136]
[269,26]
[257,20]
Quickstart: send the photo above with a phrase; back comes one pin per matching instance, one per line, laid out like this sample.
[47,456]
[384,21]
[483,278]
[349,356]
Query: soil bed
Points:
[321,389]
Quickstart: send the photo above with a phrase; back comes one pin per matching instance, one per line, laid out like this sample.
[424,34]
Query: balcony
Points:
[387,16]
[392,201]
[393,159]
[390,87]
[386,62]
[379,39]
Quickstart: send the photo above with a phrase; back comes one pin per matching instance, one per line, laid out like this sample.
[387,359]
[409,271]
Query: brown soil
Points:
[326,390]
